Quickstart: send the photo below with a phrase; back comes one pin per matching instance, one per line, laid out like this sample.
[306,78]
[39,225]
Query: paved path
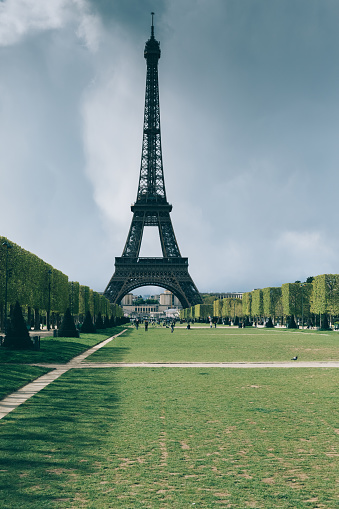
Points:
[295,364]
[17,398]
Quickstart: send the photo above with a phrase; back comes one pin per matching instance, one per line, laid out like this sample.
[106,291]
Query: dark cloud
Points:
[249,112]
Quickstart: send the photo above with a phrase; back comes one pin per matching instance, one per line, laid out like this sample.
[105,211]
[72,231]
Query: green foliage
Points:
[30,279]
[257,303]
[272,301]
[326,294]
[247,304]
[88,325]
[208,298]
[203,311]
[74,297]
[296,299]
[217,308]
[84,306]
[17,337]
[67,328]
[231,308]
[99,324]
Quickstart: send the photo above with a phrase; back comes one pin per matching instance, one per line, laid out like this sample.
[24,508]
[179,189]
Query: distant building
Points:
[165,304]
[232,295]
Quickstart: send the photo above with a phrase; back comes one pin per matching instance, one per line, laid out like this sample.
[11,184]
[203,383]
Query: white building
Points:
[165,301]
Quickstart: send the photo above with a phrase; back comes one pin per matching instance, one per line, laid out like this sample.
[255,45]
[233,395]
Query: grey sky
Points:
[249,101]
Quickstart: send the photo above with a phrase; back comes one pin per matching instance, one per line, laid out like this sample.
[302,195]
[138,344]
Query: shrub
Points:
[269,323]
[17,336]
[67,328]
[88,325]
[99,324]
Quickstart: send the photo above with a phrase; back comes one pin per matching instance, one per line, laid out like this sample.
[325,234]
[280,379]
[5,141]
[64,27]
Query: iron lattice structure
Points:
[152,209]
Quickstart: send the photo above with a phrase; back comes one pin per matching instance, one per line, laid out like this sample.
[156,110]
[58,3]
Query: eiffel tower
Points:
[152,209]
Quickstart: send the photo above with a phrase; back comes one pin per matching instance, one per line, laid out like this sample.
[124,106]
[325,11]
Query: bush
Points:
[99,324]
[269,323]
[17,336]
[88,325]
[67,328]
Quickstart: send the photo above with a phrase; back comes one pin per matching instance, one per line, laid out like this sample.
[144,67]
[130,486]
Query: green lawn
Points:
[60,350]
[15,376]
[156,438]
[175,438]
[223,344]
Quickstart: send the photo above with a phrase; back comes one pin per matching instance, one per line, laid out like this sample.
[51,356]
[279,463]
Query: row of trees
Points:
[44,292]
[314,303]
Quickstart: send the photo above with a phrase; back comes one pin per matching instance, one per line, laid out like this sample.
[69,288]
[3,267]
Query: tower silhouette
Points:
[151,208]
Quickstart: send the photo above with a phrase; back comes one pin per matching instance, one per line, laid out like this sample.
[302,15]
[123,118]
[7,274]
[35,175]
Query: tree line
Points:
[313,303]
[44,293]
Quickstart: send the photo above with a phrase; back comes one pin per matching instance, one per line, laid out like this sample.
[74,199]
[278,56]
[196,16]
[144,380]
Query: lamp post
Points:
[72,299]
[8,246]
[49,301]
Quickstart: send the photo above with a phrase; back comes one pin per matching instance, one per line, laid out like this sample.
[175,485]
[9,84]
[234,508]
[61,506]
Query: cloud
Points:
[23,18]
[249,108]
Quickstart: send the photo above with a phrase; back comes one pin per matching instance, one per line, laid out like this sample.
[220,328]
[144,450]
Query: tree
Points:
[203,311]
[217,308]
[271,301]
[247,304]
[296,299]
[88,325]
[291,323]
[17,336]
[257,303]
[67,328]
[106,322]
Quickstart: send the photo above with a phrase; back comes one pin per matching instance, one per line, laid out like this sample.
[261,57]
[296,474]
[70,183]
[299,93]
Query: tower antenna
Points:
[152,27]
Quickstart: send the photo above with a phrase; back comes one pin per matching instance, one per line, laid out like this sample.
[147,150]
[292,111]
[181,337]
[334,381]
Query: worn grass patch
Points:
[60,350]
[175,438]
[14,377]
[222,344]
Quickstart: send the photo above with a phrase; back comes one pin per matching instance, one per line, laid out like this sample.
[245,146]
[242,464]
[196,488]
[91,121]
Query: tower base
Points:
[169,273]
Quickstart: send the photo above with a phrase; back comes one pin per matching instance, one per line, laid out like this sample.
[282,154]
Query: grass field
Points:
[15,376]
[223,344]
[174,437]
[59,350]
